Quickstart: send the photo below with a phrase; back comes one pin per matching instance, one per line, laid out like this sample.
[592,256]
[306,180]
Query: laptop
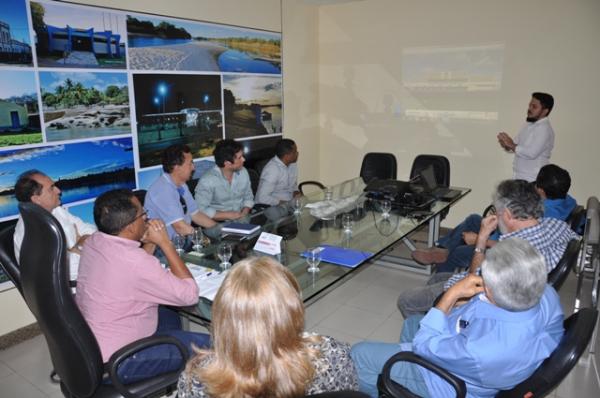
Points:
[432,188]
[386,189]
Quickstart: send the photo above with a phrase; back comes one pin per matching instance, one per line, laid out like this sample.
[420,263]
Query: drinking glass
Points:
[386,207]
[179,242]
[313,258]
[347,222]
[297,205]
[197,238]
[328,193]
[224,253]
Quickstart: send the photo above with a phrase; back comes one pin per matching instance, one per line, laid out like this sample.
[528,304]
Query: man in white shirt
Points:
[36,187]
[534,143]
[279,178]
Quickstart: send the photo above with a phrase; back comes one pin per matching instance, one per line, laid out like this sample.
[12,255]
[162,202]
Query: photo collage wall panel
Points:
[91,95]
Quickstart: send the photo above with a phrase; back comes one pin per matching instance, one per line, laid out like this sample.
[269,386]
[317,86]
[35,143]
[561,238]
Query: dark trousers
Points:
[161,358]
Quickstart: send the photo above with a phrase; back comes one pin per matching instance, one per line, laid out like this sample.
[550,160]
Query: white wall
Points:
[369,50]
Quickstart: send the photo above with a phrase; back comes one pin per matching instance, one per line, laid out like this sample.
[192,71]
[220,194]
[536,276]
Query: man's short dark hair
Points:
[26,186]
[554,180]
[284,146]
[114,210]
[545,99]
[521,198]
[225,151]
[174,156]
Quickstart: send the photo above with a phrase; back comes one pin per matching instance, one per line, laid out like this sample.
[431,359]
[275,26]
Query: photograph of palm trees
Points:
[72,36]
[81,170]
[19,113]
[84,104]
[252,105]
[177,109]
[15,46]
[175,44]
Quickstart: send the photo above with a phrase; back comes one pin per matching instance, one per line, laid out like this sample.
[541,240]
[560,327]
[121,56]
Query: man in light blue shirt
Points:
[510,325]
[169,197]
[225,193]
[279,178]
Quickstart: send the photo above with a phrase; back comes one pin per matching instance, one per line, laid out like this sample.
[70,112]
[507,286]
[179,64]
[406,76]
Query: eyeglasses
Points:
[144,214]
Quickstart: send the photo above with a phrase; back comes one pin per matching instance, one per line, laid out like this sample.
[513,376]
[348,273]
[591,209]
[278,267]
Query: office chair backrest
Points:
[441,167]
[592,227]
[254,179]
[378,165]
[578,332]
[575,219]
[7,257]
[141,195]
[559,274]
[45,279]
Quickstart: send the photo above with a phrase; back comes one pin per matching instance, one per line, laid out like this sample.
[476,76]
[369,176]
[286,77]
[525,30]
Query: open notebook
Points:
[209,280]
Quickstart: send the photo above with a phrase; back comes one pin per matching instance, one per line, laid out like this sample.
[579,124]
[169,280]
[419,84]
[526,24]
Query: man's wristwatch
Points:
[480,250]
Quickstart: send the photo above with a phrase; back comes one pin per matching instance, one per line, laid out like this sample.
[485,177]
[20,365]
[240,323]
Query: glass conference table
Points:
[371,233]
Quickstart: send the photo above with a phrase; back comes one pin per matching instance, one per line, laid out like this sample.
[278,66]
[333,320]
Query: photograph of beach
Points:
[175,44]
[15,45]
[252,105]
[177,109]
[68,36]
[82,170]
[19,113]
[84,104]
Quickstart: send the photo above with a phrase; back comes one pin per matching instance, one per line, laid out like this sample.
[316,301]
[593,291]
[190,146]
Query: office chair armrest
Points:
[304,183]
[389,388]
[144,387]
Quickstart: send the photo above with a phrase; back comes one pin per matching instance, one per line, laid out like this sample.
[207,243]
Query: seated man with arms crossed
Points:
[456,248]
[36,187]
[519,210]
[279,178]
[225,193]
[510,325]
[121,285]
[169,197]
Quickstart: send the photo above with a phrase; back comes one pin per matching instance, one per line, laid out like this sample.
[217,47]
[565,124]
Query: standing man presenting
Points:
[534,143]
[169,197]
[279,178]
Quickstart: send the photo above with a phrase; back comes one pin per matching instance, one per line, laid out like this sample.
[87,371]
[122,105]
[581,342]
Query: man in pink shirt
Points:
[121,284]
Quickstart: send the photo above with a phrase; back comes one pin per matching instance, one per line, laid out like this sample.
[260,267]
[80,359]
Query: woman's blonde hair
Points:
[257,327]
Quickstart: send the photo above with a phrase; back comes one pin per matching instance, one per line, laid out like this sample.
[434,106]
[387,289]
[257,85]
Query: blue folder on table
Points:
[342,256]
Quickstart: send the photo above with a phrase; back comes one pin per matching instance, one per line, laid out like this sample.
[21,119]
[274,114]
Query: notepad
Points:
[240,228]
[208,280]
[342,256]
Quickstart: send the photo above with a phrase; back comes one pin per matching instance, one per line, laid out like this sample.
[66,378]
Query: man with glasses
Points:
[225,192]
[121,286]
[169,197]
[519,213]
[36,187]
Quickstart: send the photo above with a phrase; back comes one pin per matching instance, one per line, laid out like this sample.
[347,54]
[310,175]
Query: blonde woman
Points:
[260,349]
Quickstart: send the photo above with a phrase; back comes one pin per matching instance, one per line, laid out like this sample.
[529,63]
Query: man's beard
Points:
[532,119]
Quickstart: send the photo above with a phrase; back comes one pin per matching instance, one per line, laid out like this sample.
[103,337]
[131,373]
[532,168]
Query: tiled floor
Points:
[362,308]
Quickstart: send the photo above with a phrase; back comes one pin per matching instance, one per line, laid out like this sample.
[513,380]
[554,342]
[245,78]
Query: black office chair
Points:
[378,165]
[559,274]
[578,332]
[388,388]
[254,179]
[575,219]
[73,348]
[304,184]
[441,168]
[8,260]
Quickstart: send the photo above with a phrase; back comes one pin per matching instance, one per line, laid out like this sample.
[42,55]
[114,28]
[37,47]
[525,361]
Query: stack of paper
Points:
[208,280]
